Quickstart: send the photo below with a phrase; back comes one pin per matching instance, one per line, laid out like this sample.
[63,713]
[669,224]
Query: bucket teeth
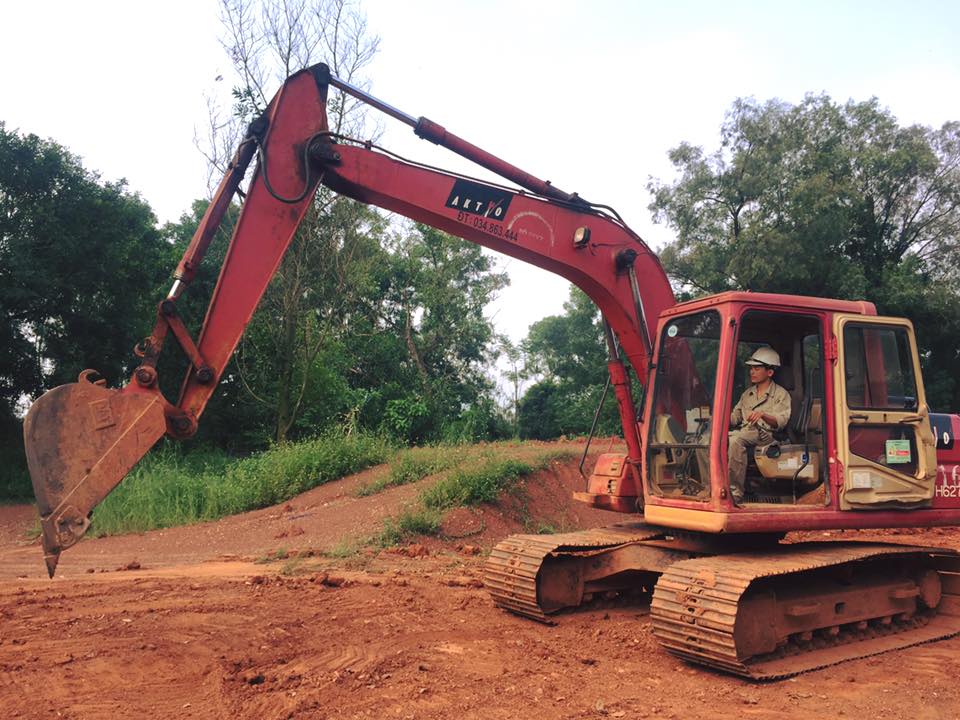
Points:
[51,560]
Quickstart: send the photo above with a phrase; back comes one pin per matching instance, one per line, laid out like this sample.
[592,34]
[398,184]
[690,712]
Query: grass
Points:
[278,554]
[171,488]
[414,464]
[477,485]
[168,488]
[463,488]
[34,531]
[344,549]
[408,524]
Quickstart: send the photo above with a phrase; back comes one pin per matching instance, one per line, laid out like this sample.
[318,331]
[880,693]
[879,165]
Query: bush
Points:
[482,421]
[406,419]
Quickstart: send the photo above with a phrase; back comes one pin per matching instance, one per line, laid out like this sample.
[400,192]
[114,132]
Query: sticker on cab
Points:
[898,452]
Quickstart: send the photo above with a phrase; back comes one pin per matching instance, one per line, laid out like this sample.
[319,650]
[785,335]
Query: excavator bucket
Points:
[81,440]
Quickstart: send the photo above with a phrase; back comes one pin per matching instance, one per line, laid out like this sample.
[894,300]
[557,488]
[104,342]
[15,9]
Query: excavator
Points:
[727,588]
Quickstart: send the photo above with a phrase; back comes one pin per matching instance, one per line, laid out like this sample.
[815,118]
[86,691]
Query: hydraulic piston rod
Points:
[439,135]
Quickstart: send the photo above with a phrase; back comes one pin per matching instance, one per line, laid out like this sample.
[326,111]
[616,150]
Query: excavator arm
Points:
[81,439]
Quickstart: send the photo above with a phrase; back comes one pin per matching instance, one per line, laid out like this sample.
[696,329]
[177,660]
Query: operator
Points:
[763,408]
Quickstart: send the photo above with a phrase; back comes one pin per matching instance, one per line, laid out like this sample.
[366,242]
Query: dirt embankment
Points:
[200,630]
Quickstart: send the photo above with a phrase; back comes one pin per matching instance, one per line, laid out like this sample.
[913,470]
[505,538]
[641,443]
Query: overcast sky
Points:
[590,95]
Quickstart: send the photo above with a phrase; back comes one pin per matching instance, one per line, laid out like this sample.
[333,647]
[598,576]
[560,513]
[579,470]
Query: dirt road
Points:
[199,629]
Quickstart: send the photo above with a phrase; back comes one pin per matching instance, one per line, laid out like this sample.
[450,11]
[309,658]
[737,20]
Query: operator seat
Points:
[796,454]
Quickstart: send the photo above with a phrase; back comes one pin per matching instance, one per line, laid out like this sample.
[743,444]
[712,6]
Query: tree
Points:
[569,348]
[359,325]
[268,40]
[568,351]
[439,287]
[330,277]
[395,338]
[517,371]
[81,262]
[827,200]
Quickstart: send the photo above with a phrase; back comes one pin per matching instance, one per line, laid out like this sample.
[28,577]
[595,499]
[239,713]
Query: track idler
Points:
[81,440]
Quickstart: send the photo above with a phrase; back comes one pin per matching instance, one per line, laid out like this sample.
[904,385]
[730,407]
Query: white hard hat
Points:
[765,356]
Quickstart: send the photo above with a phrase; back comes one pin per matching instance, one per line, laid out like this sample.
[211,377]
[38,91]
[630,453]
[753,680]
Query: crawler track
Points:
[760,614]
[697,604]
[513,569]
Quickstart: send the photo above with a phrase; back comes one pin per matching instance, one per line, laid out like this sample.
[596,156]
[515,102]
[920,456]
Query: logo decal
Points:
[943,429]
[481,200]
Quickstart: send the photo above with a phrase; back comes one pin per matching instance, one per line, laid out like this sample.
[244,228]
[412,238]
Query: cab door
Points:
[885,442]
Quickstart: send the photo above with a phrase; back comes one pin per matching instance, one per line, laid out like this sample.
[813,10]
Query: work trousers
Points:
[745,437]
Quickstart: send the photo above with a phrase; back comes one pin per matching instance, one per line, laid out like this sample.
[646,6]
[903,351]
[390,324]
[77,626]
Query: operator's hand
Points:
[754,417]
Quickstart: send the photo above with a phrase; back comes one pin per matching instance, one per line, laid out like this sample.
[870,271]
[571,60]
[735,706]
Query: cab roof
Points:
[774,300]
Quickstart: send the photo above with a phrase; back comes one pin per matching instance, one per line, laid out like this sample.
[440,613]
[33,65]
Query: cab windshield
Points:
[679,441]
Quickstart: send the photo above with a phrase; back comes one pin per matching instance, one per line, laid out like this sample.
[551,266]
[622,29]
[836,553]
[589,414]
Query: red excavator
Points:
[861,448]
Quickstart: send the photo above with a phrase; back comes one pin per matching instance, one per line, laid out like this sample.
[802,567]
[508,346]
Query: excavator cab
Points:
[858,434]
[695,392]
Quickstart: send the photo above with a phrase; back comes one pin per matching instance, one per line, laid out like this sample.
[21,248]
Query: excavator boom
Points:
[83,438]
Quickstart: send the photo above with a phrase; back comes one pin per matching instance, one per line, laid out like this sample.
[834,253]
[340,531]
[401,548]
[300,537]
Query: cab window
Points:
[679,442]
[879,368]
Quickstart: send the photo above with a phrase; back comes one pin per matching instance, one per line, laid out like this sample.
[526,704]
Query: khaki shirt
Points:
[775,402]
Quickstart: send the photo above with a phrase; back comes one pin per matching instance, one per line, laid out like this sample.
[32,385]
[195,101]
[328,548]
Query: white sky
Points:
[588,94]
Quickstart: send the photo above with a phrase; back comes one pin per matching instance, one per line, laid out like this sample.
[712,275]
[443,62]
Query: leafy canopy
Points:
[81,262]
[826,200]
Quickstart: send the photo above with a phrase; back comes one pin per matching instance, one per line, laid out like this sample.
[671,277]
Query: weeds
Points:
[476,486]
[296,566]
[410,523]
[463,488]
[413,465]
[169,488]
[344,549]
[34,531]
[278,554]
[484,483]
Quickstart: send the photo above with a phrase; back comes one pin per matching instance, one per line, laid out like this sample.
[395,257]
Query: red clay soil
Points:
[197,629]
